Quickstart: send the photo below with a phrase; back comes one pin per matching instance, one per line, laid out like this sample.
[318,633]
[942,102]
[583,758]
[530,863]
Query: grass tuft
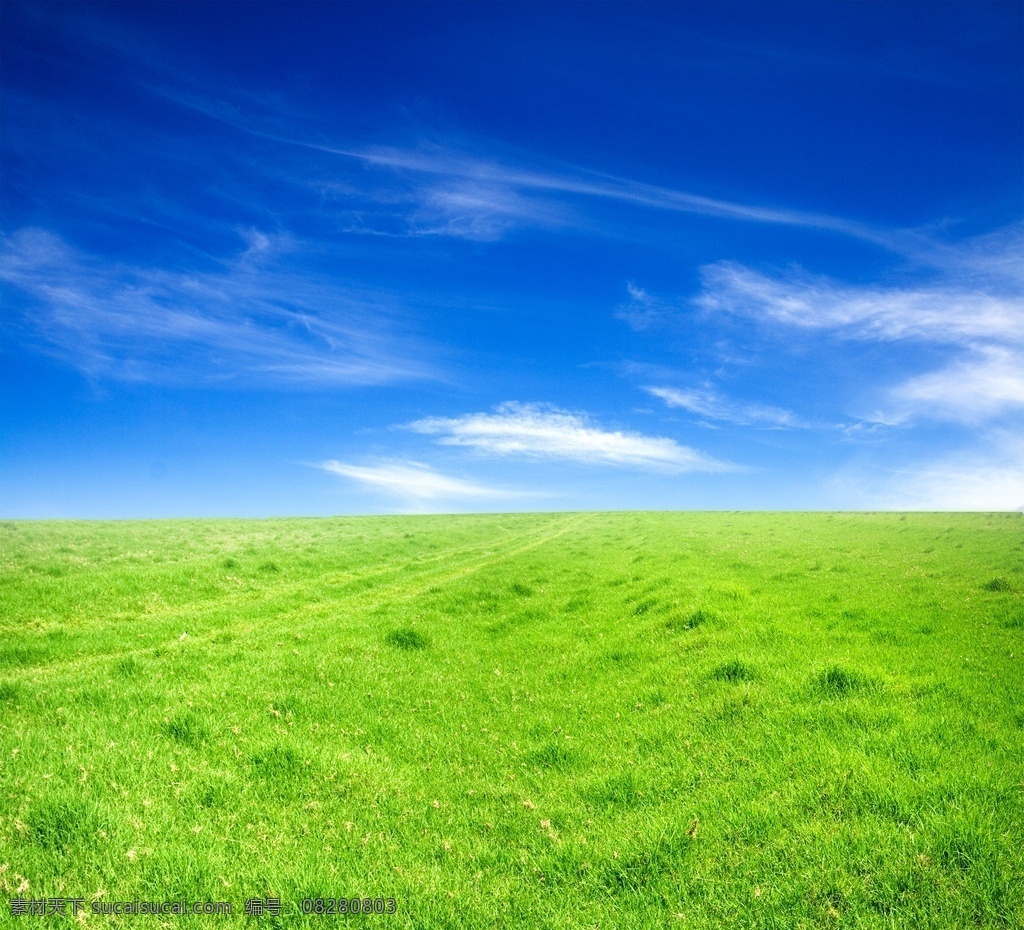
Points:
[734,671]
[658,861]
[620,790]
[59,824]
[997,584]
[648,603]
[689,621]
[211,795]
[407,638]
[21,654]
[551,756]
[277,765]
[839,682]
[184,727]
[127,667]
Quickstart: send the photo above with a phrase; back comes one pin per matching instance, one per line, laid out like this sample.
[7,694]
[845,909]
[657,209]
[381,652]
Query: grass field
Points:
[557,720]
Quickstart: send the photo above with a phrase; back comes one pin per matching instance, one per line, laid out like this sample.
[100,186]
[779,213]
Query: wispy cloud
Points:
[443,184]
[709,404]
[991,260]
[478,210]
[451,162]
[541,431]
[988,478]
[644,311]
[945,314]
[414,481]
[985,385]
[462,187]
[477,194]
[252,321]
[981,321]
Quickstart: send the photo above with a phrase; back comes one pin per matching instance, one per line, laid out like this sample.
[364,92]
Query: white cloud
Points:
[539,431]
[984,386]
[985,322]
[481,211]
[507,180]
[993,259]
[415,169]
[454,163]
[413,480]
[988,479]
[251,321]
[708,404]
[644,311]
[943,314]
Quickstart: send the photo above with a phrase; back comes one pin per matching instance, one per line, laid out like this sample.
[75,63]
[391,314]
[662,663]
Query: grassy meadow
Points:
[606,720]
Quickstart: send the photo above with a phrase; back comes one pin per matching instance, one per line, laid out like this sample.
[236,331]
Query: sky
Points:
[266,259]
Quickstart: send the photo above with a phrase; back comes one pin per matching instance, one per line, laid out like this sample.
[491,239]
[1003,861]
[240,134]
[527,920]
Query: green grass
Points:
[558,720]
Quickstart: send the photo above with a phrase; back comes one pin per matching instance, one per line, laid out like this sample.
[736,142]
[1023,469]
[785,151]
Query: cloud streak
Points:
[986,385]
[990,478]
[449,186]
[584,182]
[413,481]
[543,432]
[713,406]
[506,184]
[983,324]
[251,322]
[459,190]
[944,314]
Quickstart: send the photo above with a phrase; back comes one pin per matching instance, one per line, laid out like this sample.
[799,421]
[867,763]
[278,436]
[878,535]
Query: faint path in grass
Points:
[322,598]
[493,552]
[507,552]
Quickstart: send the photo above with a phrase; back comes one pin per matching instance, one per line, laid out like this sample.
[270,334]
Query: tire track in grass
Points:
[423,582]
[495,551]
[254,591]
[407,589]
[578,519]
[375,596]
[282,589]
[360,602]
[446,555]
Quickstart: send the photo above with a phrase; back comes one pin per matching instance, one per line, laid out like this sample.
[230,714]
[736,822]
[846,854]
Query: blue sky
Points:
[266,259]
